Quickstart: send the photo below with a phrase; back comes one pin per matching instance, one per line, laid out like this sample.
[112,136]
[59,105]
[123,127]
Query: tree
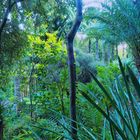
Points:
[1,122]
[10,5]
[97,49]
[121,19]
[72,67]
[17,94]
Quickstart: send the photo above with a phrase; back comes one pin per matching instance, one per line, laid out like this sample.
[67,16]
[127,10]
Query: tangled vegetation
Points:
[69,70]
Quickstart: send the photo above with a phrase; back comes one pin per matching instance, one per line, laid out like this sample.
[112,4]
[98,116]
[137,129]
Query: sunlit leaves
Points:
[35,40]
[46,50]
[49,44]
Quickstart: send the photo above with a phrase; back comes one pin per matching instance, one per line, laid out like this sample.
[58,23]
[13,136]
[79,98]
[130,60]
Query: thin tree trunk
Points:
[117,51]
[1,123]
[97,50]
[17,94]
[8,10]
[103,52]
[137,62]
[30,91]
[105,55]
[112,53]
[72,68]
[89,46]
[136,54]
[123,52]
[108,53]
[1,129]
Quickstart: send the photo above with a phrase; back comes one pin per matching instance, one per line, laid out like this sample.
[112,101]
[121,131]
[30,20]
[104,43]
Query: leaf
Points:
[120,131]
[128,91]
[134,81]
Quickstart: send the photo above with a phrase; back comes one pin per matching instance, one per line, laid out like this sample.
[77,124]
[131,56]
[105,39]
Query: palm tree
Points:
[121,19]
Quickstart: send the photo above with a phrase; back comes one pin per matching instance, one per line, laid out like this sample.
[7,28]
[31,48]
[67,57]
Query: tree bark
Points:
[8,10]
[123,52]
[1,129]
[105,55]
[72,68]
[17,94]
[108,53]
[31,90]
[112,53]
[89,46]
[136,54]
[1,122]
[137,62]
[103,52]
[97,50]
[117,54]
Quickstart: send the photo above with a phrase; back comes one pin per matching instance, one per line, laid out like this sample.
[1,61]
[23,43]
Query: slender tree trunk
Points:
[105,55]
[17,94]
[1,129]
[1,122]
[103,52]
[30,91]
[123,52]
[8,10]
[117,54]
[72,75]
[89,46]
[72,68]
[137,62]
[136,54]
[97,50]
[108,53]
[112,53]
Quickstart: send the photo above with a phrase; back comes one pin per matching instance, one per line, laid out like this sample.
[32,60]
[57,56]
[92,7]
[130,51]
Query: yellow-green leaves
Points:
[45,49]
[48,45]
[35,39]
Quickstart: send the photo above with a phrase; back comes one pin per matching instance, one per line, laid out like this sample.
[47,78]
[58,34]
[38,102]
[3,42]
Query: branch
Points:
[77,22]
[8,10]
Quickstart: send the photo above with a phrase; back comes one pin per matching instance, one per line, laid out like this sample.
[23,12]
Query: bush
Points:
[119,107]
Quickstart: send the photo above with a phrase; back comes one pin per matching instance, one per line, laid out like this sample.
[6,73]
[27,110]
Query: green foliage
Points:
[107,73]
[120,107]
[85,62]
[33,48]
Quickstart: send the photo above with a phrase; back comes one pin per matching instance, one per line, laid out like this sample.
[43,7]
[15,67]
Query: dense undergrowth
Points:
[112,111]
[38,77]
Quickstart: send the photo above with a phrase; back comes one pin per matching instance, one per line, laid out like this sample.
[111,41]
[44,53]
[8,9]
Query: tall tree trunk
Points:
[97,50]
[108,53]
[1,122]
[137,62]
[123,51]
[105,55]
[136,54]
[30,91]
[5,18]
[89,46]
[17,94]
[72,68]
[103,52]
[117,54]
[112,53]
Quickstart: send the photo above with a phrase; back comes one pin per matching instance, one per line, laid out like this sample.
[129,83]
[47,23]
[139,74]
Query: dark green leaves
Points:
[123,114]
